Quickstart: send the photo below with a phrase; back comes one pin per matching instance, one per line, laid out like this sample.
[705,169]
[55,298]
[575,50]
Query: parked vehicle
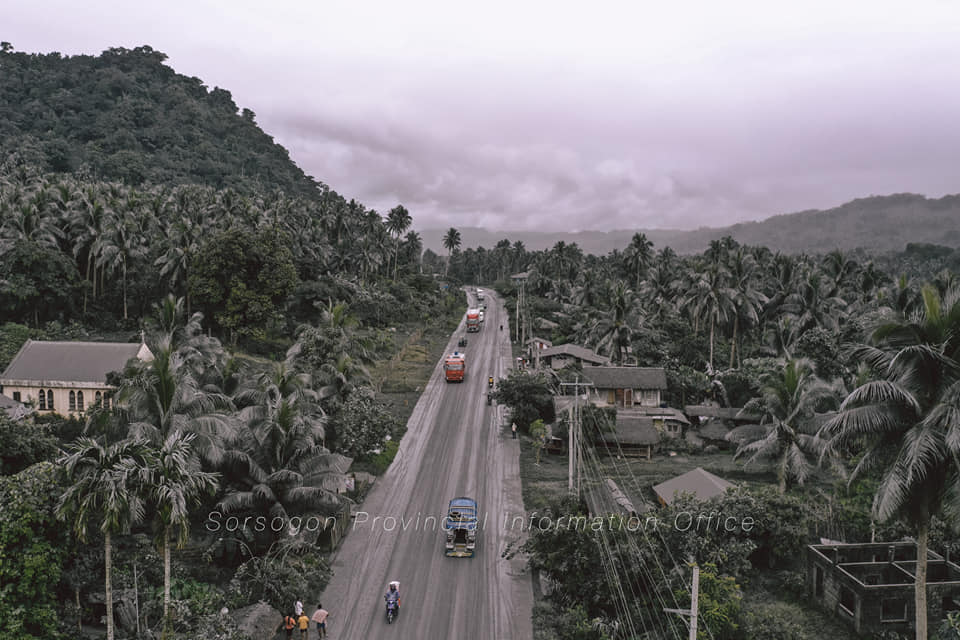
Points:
[461,527]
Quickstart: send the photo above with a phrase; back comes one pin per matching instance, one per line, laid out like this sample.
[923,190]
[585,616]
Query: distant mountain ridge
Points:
[876,223]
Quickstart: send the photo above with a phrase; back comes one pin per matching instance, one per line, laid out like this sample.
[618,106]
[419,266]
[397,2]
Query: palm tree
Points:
[413,249]
[789,435]
[339,377]
[277,462]
[104,493]
[398,221]
[813,304]
[659,291]
[86,225]
[451,242]
[840,270]
[518,257]
[747,300]
[711,299]
[906,418]
[165,395]
[176,482]
[121,245]
[612,332]
[638,256]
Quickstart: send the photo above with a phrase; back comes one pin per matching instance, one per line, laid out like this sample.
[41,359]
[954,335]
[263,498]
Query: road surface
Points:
[455,445]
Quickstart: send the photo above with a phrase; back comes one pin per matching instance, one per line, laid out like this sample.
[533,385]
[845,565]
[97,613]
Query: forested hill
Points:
[877,224]
[126,116]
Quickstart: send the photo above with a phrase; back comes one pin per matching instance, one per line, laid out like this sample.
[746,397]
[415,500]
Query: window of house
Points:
[43,400]
[16,396]
[848,601]
[79,400]
[106,401]
[73,401]
[98,399]
[893,610]
[50,399]
[611,396]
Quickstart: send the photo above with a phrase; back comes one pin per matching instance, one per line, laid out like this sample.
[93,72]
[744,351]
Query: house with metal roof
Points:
[632,437]
[67,377]
[560,356]
[626,386]
[702,484]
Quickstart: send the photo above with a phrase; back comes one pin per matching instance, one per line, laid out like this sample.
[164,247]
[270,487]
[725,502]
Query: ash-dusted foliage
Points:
[362,425]
[33,548]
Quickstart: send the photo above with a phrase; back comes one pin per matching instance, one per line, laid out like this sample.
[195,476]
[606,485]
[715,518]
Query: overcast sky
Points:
[568,115]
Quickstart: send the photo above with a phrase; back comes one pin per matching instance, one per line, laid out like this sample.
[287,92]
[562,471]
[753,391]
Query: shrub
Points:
[383,459]
[778,621]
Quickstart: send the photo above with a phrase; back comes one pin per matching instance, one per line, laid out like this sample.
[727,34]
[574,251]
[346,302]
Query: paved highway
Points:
[454,446]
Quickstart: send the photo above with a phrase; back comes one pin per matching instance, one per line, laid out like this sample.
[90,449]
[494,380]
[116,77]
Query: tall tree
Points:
[906,421]
[105,494]
[241,278]
[710,299]
[166,394]
[747,298]
[398,221]
[451,242]
[176,483]
[787,409]
[277,464]
[638,256]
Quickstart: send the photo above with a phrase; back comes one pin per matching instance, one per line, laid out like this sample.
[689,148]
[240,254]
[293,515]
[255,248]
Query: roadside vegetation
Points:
[294,328]
[850,369]
[292,332]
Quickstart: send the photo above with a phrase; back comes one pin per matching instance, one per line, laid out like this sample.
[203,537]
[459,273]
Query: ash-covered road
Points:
[454,446]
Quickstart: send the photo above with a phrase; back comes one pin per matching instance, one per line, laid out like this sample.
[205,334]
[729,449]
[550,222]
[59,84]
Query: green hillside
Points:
[126,116]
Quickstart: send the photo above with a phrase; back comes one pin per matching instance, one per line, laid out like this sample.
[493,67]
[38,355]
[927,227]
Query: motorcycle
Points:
[392,610]
[490,382]
[393,603]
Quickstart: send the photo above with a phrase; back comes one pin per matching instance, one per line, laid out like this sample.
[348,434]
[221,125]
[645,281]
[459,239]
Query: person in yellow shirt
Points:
[304,623]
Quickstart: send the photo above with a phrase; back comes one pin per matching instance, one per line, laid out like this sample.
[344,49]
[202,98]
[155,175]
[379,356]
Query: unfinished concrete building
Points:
[871,585]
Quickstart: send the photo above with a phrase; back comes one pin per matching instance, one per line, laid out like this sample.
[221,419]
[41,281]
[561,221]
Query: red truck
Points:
[473,320]
[455,367]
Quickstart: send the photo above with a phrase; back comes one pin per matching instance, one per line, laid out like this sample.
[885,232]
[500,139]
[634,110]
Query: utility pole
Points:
[574,437]
[519,296]
[522,311]
[694,610]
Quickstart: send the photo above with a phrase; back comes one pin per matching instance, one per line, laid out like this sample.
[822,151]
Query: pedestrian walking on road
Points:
[304,623]
[320,617]
[514,430]
[298,608]
[289,624]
